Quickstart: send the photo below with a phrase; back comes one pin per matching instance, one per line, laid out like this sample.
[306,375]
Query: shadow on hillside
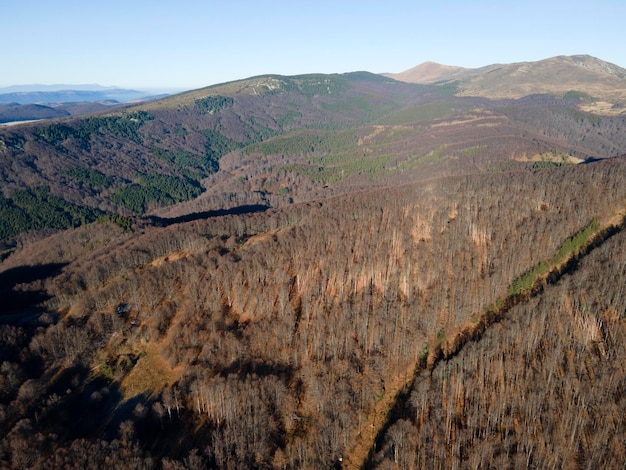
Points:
[19,300]
[592,160]
[89,407]
[248,209]
[85,406]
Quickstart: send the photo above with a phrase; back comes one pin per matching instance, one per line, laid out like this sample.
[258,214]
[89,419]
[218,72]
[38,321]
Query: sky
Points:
[187,44]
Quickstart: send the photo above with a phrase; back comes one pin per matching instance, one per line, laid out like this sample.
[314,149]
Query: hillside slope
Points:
[319,271]
[596,79]
[428,72]
[267,339]
[542,387]
[272,141]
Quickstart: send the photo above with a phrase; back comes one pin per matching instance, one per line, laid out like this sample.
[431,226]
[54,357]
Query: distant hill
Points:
[581,75]
[34,102]
[319,271]
[55,87]
[50,94]
[10,112]
[273,140]
[428,72]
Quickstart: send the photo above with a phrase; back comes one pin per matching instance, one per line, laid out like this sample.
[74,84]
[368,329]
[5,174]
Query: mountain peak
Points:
[427,72]
[597,65]
[555,75]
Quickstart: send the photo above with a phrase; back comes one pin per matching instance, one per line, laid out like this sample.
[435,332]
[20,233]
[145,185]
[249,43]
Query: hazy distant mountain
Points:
[10,112]
[428,72]
[57,87]
[30,102]
[27,95]
[557,75]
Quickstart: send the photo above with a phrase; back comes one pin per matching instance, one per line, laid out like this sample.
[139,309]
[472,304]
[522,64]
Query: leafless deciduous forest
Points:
[276,339]
[319,271]
[542,389]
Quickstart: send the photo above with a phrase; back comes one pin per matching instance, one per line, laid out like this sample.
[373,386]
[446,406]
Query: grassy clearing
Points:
[570,247]
[150,374]
[433,156]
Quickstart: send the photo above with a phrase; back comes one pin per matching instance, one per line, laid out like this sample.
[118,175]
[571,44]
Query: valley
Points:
[320,271]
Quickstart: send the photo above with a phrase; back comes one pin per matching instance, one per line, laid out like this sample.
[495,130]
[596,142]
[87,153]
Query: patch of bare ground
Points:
[263,237]
[169,258]
[616,219]
[550,157]
[150,374]
[481,120]
[357,455]
[603,107]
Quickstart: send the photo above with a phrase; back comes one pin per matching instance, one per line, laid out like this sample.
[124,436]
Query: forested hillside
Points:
[322,271]
[544,388]
[276,140]
[267,339]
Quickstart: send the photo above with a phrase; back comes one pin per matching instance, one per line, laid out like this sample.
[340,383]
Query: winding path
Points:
[398,389]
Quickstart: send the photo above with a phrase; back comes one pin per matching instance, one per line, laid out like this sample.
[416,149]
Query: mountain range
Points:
[33,102]
[599,80]
[351,270]
[32,94]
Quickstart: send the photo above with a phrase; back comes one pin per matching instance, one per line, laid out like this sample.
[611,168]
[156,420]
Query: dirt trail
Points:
[381,417]
[356,456]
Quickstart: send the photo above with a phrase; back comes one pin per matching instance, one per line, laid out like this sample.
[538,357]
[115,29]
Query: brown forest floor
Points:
[357,456]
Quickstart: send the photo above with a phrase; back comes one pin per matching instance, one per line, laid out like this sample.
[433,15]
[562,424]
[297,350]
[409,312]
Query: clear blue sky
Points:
[193,43]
